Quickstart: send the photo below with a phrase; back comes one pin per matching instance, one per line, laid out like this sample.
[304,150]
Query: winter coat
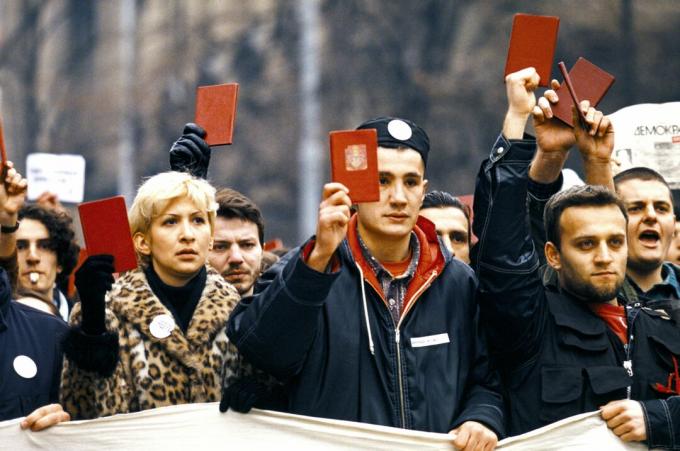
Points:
[557,357]
[150,370]
[331,336]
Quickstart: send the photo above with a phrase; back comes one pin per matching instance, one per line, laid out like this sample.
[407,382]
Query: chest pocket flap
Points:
[665,344]
[606,379]
[591,343]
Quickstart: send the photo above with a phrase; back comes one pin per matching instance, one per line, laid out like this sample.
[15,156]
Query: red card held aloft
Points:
[589,82]
[216,112]
[532,44]
[354,163]
[3,152]
[106,230]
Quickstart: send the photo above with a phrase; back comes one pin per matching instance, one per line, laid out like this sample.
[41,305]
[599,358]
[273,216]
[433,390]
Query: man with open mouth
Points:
[651,280]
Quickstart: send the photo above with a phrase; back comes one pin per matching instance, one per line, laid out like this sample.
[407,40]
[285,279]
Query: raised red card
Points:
[3,152]
[532,44]
[589,82]
[106,230]
[354,163]
[216,112]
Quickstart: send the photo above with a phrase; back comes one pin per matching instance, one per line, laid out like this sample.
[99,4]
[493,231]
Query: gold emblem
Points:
[355,157]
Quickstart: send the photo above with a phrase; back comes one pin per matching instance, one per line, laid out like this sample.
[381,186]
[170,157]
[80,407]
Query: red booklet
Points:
[532,44]
[354,163]
[589,82]
[3,152]
[106,230]
[216,112]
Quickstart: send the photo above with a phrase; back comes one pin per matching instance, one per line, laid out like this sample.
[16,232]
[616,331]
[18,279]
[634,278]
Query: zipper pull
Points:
[396,336]
[628,365]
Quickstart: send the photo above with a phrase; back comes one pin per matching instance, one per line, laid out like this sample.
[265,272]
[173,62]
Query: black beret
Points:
[395,132]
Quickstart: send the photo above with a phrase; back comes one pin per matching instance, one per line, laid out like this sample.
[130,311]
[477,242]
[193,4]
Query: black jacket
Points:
[309,328]
[557,357]
[30,355]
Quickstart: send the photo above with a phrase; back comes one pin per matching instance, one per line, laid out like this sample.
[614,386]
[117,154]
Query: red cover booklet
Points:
[354,163]
[106,230]
[589,82]
[532,44]
[216,112]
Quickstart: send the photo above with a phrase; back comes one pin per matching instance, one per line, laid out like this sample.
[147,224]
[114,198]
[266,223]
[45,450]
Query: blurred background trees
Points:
[115,80]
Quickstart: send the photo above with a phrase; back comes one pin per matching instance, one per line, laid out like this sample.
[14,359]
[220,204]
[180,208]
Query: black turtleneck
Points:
[181,301]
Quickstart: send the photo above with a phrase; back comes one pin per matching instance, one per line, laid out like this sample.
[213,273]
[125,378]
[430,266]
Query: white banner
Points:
[203,427]
[649,135]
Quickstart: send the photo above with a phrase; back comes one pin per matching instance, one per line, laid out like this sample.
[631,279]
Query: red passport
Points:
[589,82]
[3,152]
[106,230]
[354,163]
[216,112]
[532,44]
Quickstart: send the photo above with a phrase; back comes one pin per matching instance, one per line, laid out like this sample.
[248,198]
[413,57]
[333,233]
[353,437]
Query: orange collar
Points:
[431,258]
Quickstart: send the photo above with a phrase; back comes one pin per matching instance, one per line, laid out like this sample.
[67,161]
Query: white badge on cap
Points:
[25,367]
[162,325]
[399,129]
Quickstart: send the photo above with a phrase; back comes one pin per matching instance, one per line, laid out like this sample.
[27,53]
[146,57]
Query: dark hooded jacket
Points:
[331,337]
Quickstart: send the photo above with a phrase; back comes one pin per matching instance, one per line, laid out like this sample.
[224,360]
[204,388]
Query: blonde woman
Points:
[156,336]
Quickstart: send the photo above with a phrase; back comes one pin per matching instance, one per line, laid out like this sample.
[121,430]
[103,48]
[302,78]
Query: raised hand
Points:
[331,228]
[552,135]
[12,195]
[596,145]
[519,88]
[93,279]
[190,153]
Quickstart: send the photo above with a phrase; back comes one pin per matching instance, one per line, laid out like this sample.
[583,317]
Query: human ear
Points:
[142,244]
[552,255]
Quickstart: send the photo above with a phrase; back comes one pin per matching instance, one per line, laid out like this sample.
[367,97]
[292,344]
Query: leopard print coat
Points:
[153,372]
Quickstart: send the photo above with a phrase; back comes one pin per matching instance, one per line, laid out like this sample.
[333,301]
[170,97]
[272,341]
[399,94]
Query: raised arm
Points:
[275,328]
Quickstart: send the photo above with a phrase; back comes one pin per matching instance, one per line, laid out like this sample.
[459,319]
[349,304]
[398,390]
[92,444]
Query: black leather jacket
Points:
[558,358]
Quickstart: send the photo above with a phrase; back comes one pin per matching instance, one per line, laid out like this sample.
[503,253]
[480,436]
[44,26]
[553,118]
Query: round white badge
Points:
[162,326]
[25,367]
[399,129]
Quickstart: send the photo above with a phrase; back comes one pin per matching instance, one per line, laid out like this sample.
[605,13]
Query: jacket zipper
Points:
[401,382]
[628,363]
[397,341]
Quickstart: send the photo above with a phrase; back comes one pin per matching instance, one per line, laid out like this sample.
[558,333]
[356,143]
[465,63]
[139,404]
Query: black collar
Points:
[574,314]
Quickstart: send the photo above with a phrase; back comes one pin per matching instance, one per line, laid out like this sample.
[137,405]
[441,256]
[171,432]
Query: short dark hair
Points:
[233,205]
[442,199]
[641,173]
[577,196]
[59,225]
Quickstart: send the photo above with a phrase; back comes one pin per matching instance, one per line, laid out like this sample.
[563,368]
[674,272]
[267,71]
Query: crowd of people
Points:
[412,311]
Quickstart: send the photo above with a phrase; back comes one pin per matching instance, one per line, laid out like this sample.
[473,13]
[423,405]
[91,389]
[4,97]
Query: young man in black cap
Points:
[370,320]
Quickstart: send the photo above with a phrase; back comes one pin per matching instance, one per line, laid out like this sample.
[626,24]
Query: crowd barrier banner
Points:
[203,427]
[649,135]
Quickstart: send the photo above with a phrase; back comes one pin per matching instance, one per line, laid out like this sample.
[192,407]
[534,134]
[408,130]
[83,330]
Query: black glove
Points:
[93,279]
[190,153]
[243,395]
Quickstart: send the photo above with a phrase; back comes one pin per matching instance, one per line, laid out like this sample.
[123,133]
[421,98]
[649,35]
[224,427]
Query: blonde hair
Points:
[159,191]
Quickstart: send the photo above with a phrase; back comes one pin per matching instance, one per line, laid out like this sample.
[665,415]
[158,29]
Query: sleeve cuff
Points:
[96,353]
[543,191]
[659,424]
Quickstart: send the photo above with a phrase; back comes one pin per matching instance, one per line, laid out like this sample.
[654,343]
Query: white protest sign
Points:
[61,174]
[649,135]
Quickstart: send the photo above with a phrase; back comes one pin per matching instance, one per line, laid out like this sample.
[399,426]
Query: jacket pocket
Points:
[561,392]
[609,380]
[666,352]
